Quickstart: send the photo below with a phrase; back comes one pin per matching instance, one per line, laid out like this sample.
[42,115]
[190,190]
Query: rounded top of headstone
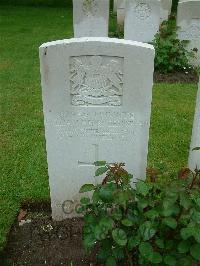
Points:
[97,39]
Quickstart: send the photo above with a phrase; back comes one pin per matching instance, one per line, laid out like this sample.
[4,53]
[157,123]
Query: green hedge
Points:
[55,3]
[174,5]
[52,3]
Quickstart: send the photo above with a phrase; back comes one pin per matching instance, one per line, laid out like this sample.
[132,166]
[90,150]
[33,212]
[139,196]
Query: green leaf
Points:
[160,243]
[127,222]
[101,171]
[100,163]
[121,197]
[117,214]
[85,201]
[183,246]
[195,215]
[185,201]
[147,230]
[169,204]
[89,241]
[169,244]
[90,219]
[145,249]
[106,222]
[171,222]
[119,237]
[111,261]
[187,232]
[169,260]
[103,254]
[133,242]
[106,193]
[100,232]
[142,188]
[171,194]
[87,188]
[155,258]
[195,251]
[186,261]
[197,235]
[152,214]
[118,253]
[96,196]
[142,203]
[198,201]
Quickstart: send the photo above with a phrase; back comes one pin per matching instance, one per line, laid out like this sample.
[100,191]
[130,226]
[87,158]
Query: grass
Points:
[24,167]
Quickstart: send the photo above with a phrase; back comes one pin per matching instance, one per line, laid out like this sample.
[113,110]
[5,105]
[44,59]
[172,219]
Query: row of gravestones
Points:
[142,19]
[161,10]
[97,94]
[119,7]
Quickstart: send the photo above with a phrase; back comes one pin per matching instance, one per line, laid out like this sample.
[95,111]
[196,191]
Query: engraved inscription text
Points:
[97,125]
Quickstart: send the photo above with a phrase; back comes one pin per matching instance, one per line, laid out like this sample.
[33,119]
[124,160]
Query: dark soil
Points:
[177,77]
[46,242]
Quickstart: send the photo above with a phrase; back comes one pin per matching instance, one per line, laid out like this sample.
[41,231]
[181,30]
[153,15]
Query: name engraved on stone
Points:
[192,31]
[143,11]
[96,80]
[97,125]
[90,7]
[69,206]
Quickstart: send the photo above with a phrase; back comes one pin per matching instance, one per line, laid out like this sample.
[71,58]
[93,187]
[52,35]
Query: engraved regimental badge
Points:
[143,11]
[192,31]
[96,80]
[90,7]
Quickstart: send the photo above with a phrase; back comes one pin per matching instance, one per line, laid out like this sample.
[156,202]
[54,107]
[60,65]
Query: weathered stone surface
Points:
[166,6]
[194,157]
[91,18]
[188,21]
[142,20]
[115,6]
[121,4]
[97,102]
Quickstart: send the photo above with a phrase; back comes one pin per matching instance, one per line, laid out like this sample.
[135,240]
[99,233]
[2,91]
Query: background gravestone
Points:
[194,157]
[115,6]
[166,6]
[188,21]
[121,4]
[142,20]
[97,96]
[91,18]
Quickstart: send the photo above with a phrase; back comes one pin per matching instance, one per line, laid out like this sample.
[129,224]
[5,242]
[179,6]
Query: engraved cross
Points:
[96,150]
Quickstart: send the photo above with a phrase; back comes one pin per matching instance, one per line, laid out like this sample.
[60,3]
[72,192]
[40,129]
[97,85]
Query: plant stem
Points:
[129,258]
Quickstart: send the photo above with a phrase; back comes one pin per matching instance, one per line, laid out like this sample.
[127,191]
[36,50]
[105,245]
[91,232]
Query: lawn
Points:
[23,163]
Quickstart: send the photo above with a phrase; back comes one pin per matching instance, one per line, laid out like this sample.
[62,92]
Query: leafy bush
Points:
[153,223]
[171,53]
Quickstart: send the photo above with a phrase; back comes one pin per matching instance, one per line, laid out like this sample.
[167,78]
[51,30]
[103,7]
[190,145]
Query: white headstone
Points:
[97,102]
[142,20]
[91,18]
[188,21]
[121,4]
[115,6]
[194,157]
[166,6]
